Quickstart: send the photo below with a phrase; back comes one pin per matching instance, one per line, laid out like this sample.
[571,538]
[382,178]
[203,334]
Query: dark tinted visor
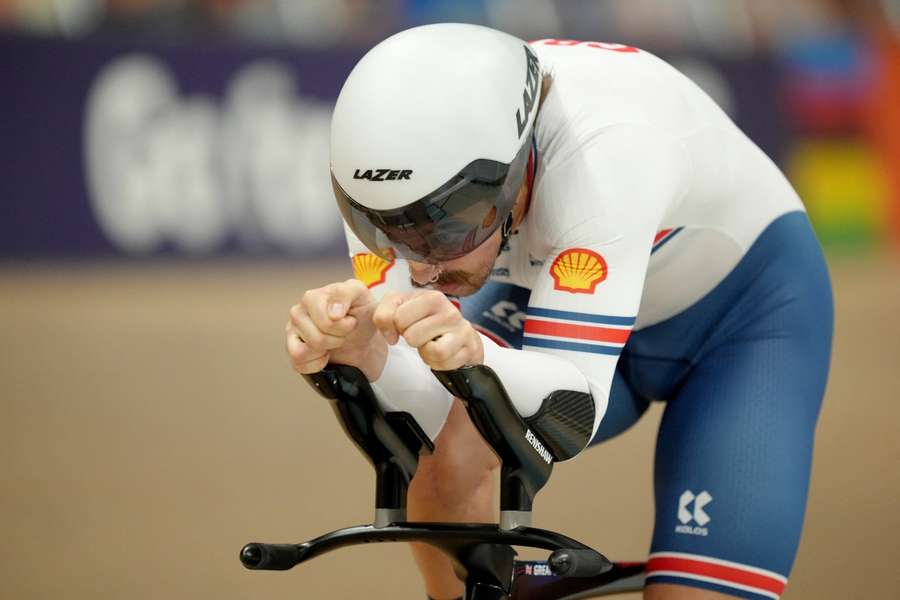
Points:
[449,222]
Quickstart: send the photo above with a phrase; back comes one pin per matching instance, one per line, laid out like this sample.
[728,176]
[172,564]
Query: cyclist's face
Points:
[465,275]
[462,276]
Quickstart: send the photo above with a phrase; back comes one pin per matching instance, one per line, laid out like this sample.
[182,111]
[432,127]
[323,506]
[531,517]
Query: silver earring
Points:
[506,228]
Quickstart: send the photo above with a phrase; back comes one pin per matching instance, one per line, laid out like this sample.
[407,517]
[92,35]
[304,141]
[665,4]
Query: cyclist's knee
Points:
[462,465]
[460,448]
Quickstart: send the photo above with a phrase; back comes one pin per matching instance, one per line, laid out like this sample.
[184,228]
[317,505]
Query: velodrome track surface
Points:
[150,426]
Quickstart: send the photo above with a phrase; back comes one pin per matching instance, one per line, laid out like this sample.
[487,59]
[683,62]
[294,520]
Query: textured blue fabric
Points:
[743,372]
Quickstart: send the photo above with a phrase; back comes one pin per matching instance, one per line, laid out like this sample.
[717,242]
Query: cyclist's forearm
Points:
[407,384]
[532,377]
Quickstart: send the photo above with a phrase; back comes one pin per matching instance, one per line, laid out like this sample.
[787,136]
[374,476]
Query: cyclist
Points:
[604,229]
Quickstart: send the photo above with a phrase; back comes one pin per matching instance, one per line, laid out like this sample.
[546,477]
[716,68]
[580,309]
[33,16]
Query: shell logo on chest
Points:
[370,269]
[578,270]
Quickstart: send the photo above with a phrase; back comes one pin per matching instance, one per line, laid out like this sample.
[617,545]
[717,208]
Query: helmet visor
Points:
[449,222]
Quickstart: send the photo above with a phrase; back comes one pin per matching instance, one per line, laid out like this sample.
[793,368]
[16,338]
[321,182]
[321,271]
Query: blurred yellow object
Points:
[844,189]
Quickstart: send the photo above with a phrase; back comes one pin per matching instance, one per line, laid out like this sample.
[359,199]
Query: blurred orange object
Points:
[883,123]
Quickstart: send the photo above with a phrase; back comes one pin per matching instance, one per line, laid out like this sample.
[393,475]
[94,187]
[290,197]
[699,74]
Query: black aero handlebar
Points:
[574,558]
[482,554]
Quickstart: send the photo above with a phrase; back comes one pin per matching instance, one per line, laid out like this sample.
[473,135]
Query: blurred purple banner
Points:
[112,148]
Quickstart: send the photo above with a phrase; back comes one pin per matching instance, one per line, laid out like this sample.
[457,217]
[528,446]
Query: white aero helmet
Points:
[430,139]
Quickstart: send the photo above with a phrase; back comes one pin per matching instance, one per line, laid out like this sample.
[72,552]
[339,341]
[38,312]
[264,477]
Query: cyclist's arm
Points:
[610,199]
[406,383]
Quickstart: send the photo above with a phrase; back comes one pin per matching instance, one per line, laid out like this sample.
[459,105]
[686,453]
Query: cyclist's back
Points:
[727,189]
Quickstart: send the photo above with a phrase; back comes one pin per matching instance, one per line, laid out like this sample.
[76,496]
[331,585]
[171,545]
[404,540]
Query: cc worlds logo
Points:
[382,174]
[507,315]
[698,515]
[530,93]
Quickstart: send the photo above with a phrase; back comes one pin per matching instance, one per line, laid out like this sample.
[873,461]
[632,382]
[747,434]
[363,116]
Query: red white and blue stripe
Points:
[578,332]
[714,574]
[663,237]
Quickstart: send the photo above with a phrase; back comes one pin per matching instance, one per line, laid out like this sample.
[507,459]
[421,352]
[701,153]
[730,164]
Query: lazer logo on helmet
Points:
[529,94]
[382,174]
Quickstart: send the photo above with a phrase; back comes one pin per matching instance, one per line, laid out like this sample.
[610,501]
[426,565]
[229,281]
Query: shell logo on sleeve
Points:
[370,269]
[578,270]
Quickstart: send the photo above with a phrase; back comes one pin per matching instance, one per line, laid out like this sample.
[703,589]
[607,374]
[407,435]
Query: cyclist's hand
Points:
[334,324]
[429,322]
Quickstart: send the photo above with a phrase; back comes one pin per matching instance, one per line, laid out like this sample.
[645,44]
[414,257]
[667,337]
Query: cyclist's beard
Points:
[459,283]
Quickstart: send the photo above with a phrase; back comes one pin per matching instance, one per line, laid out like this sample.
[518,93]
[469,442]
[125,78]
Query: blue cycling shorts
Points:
[742,373]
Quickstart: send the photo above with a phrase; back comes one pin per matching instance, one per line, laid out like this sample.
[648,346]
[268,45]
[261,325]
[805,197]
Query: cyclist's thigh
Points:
[735,444]
[624,409]
[732,469]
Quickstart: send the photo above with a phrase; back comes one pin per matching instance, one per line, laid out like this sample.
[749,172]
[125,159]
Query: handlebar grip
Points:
[582,562]
[270,557]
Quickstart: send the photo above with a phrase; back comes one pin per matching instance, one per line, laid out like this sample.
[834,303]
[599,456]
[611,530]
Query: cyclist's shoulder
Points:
[607,179]
[608,80]
[596,90]
[590,57]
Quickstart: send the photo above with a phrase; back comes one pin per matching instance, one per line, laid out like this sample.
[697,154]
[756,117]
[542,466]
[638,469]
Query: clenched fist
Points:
[334,324]
[429,322]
